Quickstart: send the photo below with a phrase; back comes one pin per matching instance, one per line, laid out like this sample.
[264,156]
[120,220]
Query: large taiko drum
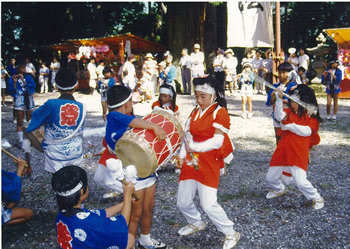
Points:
[143,149]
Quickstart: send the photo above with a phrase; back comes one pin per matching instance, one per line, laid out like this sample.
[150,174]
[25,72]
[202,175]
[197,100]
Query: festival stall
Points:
[110,49]
[341,36]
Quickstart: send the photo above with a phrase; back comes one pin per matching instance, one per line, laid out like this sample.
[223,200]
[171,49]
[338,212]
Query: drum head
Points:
[133,150]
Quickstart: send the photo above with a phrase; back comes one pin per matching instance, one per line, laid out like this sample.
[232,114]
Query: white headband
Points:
[67,88]
[167,91]
[121,103]
[72,191]
[295,96]
[206,88]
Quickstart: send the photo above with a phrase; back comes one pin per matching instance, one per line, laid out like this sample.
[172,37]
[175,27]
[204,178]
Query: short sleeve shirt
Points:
[91,229]
[117,124]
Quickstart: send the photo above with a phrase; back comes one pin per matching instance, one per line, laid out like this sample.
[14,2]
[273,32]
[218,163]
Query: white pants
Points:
[102,177]
[276,180]
[208,199]
[44,85]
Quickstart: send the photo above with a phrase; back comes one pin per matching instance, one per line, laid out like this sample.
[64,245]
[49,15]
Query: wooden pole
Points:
[278,39]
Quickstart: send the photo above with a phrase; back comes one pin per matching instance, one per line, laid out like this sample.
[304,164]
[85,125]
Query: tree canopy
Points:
[27,26]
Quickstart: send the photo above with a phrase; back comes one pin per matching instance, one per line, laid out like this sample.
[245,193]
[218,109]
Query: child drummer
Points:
[119,119]
[63,119]
[206,131]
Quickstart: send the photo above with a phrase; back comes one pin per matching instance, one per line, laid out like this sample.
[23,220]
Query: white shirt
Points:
[230,65]
[303,61]
[99,71]
[218,63]
[130,79]
[185,61]
[55,66]
[257,63]
[294,60]
[30,68]
[197,60]
[267,63]
[92,71]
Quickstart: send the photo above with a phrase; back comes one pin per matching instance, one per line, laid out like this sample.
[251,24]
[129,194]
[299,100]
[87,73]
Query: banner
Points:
[249,24]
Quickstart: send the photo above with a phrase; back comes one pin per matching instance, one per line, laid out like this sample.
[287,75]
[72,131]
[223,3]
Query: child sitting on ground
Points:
[81,228]
[11,187]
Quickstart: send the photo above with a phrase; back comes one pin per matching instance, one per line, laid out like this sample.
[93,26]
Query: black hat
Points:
[69,180]
[66,79]
[118,96]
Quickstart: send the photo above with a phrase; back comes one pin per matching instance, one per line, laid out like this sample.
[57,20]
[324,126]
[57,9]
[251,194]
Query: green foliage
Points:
[30,26]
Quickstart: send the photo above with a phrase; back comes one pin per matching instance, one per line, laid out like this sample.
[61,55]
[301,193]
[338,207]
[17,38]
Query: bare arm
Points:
[143,124]
[113,210]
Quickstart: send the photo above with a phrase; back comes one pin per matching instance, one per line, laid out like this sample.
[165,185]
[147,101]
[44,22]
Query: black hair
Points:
[301,69]
[117,94]
[212,81]
[107,70]
[173,99]
[285,67]
[66,179]
[307,95]
[66,77]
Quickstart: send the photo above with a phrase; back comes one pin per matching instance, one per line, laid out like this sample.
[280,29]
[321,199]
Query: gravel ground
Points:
[285,222]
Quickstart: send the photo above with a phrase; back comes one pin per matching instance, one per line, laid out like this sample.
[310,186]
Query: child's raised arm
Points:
[143,124]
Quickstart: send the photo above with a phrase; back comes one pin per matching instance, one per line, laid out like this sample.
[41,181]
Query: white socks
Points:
[145,239]
[20,136]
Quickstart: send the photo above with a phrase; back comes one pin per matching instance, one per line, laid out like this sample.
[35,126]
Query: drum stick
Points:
[13,157]
[311,109]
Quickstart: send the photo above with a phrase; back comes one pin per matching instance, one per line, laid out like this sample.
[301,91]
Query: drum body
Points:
[36,138]
[141,147]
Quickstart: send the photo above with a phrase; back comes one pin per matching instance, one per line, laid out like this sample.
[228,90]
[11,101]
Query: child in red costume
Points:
[299,133]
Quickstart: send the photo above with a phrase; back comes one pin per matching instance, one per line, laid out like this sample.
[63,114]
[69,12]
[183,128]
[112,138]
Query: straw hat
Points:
[292,50]
[149,55]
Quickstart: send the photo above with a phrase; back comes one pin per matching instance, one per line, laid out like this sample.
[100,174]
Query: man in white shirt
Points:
[129,72]
[93,75]
[304,59]
[54,67]
[99,70]
[258,69]
[293,59]
[218,65]
[30,68]
[185,64]
[197,62]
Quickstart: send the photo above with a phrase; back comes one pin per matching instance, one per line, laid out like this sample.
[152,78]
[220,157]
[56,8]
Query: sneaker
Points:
[231,240]
[274,194]
[250,115]
[244,115]
[318,203]
[328,117]
[190,228]
[155,245]
[334,117]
